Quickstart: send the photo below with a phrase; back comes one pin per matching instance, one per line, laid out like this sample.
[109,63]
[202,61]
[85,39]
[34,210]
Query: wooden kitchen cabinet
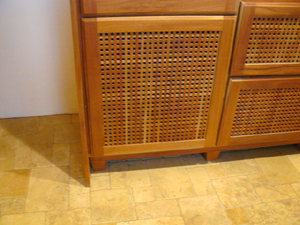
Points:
[153,77]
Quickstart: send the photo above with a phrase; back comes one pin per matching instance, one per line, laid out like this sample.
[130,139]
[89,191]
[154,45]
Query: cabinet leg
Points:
[209,156]
[98,164]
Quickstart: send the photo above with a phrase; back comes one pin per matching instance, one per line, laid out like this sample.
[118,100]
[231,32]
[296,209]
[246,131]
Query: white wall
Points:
[36,58]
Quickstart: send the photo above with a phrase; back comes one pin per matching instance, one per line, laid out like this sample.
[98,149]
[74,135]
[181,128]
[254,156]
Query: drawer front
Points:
[261,110]
[154,82]
[154,7]
[267,40]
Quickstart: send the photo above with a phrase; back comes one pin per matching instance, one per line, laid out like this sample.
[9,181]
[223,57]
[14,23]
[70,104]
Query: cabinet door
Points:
[155,83]
[259,110]
[267,40]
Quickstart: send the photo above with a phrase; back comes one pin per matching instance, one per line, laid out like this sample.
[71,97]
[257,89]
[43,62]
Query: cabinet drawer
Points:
[260,110]
[267,40]
[154,7]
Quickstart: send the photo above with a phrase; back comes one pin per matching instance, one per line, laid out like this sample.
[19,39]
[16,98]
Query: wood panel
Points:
[154,7]
[156,86]
[267,40]
[261,110]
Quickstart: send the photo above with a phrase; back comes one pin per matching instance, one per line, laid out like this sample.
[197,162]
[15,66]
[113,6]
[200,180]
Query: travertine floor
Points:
[41,183]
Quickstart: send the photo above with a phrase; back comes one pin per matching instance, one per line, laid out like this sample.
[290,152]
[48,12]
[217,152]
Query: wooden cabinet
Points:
[267,39]
[152,77]
[155,83]
[261,110]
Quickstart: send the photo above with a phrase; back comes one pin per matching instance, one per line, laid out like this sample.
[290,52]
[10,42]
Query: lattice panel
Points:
[265,111]
[274,40]
[156,86]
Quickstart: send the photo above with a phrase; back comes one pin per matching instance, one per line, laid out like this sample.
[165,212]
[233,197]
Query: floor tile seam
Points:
[28,185]
[181,214]
[294,188]
[188,175]
[288,158]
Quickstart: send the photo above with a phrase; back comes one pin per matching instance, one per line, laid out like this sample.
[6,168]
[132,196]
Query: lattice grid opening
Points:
[265,111]
[274,40]
[156,86]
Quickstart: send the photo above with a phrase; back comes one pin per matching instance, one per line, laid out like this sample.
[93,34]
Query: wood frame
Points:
[250,10]
[153,7]
[235,85]
[92,26]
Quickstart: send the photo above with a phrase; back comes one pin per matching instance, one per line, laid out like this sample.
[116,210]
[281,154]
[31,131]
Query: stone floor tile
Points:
[176,220]
[258,179]
[275,193]
[203,210]
[128,174]
[235,191]
[237,216]
[241,167]
[215,170]
[200,181]
[164,162]
[271,213]
[66,133]
[143,194]
[171,182]
[8,145]
[18,126]
[13,183]
[69,217]
[76,167]
[113,205]
[100,183]
[295,160]
[296,187]
[55,119]
[61,154]
[161,208]
[79,196]
[24,219]
[48,189]
[6,163]
[194,160]
[278,170]
[76,147]
[12,205]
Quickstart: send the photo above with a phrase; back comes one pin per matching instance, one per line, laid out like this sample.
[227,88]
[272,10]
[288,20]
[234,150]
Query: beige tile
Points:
[161,208]
[165,162]
[194,160]
[12,205]
[76,167]
[293,207]
[8,145]
[241,167]
[105,224]
[295,160]
[19,126]
[48,189]
[176,220]
[100,183]
[76,147]
[278,170]
[66,133]
[143,194]
[6,163]
[275,193]
[171,182]
[61,154]
[235,191]
[56,119]
[200,181]
[237,216]
[273,213]
[24,219]
[112,206]
[203,210]
[69,217]
[215,170]
[13,183]
[79,193]
[129,174]
[296,187]
[258,179]
[75,118]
